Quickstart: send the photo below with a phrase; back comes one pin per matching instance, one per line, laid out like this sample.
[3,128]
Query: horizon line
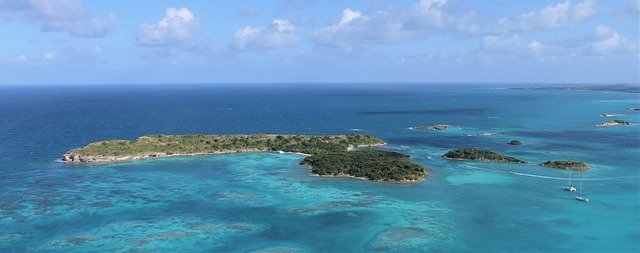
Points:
[323,83]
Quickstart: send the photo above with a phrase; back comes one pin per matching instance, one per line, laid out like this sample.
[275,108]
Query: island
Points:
[374,165]
[615,122]
[567,165]
[328,155]
[475,154]
[515,142]
[431,127]
[605,88]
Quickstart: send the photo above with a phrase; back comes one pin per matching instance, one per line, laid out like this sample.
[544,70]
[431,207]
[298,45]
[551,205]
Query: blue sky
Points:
[149,41]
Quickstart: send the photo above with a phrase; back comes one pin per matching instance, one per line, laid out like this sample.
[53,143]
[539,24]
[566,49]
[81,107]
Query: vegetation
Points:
[615,122]
[568,165]
[480,155]
[330,154]
[370,164]
[199,143]
[432,127]
[621,122]
[515,142]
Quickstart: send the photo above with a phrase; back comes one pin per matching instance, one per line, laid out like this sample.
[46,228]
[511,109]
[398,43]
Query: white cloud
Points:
[606,40]
[560,15]
[58,16]
[280,33]
[174,29]
[36,58]
[413,22]
[535,47]
[511,46]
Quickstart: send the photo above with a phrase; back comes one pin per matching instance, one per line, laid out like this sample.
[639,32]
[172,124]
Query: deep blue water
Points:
[265,202]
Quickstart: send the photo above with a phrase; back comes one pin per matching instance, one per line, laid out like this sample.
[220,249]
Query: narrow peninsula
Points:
[566,165]
[328,155]
[474,154]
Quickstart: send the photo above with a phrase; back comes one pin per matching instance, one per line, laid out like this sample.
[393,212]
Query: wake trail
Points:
[554,178]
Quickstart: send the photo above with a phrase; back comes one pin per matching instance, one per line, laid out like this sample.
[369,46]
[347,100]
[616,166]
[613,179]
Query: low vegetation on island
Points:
[475,154]
[367,164]
[567,165]
[615,122]
[328,154]
[432,127]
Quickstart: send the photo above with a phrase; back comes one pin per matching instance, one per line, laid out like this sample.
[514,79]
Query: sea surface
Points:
[267,202]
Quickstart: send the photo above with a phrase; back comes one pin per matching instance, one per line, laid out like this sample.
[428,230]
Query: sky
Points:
[309,41]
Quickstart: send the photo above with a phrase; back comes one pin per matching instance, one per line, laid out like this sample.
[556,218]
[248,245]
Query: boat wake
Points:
[566,178]
[550,177]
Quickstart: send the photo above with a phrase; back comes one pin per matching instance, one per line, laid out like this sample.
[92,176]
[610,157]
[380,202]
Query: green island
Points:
[615,122]
[328,155]
[475,154]
[359,164]
[432,127]
[567,165]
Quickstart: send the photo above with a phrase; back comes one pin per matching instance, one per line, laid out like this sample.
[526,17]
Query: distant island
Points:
[615,122]
[432,127]
[515,142]
[475,154]
[328,155]
[567,165]
[612,88]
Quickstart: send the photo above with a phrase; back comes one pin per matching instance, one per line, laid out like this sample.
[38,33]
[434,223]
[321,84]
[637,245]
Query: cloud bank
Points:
[58,16]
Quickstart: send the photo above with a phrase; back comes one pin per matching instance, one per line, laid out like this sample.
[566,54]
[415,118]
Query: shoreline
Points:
[147,158]
[75,159]
[346,176]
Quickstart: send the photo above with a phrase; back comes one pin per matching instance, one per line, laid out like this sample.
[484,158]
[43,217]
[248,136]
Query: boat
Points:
[580,197]
[570,187]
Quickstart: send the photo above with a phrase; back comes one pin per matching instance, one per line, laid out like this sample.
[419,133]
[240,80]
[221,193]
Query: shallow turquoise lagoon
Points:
[267,202]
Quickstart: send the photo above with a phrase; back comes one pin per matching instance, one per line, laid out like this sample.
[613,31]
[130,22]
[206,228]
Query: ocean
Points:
[267,202]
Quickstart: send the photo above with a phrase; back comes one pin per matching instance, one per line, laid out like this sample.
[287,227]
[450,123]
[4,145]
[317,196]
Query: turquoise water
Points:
[266,202]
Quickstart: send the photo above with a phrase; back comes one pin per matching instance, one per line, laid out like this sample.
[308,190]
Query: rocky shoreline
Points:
[77,158]
[106,159]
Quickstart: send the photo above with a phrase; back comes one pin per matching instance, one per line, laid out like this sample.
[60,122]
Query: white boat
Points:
[580,197]
[570,187]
